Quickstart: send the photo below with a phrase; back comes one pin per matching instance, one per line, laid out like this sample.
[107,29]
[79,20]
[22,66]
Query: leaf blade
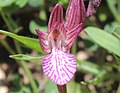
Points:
[30,42]
[24,57]
[104,39]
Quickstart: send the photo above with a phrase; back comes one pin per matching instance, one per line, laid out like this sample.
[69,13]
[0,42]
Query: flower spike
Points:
[93,4]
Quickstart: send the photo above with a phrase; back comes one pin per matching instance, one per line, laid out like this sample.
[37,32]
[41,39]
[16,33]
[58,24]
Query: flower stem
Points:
[62,89]
[74,48]
[5,20]
[6,45]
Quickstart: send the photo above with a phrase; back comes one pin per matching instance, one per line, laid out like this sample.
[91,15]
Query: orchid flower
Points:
[58,64]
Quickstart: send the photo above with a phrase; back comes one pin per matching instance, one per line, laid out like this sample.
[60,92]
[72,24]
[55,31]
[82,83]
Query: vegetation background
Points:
[97,48]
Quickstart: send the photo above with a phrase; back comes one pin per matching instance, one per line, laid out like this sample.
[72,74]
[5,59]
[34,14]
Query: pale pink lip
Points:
[59,66]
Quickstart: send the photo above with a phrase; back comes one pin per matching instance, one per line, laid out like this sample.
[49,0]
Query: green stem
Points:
[23,64]
[113,10]
[26,69]
[29,74]
[17,46]
[5,20]
[74,48]
[118,2]
[6,45]
[118,90]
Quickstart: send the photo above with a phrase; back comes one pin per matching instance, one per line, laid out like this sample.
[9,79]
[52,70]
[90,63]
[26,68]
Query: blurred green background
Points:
[97,48]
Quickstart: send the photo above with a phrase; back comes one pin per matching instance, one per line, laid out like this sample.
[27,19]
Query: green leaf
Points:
[98,79]
[118,90]
[73,87]
[116,31]
[112,7]
[51,87]
[33,25]
[89,67]
[117,59]
[4,3]
[101,77]
[36,3]
[30,42]
[110,27]
[63,1]
[21,3]
[104,39]
[24,57]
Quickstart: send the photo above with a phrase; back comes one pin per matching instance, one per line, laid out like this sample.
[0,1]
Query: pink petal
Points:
[44,43]
[56,16]
[76,14]
[93,4]
[71,36]
[59,66]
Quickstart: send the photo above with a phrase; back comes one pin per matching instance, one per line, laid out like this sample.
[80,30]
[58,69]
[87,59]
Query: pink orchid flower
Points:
[58,64]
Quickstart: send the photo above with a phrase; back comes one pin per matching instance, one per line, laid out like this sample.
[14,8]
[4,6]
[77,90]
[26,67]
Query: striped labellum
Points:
[59,66]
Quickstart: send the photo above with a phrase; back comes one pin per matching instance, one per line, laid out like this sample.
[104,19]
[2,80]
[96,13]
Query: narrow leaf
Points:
[98,79]
[113,9]
[116,31]
[24,57]
[30,42]
[117,59]
[104,39]
[89,67]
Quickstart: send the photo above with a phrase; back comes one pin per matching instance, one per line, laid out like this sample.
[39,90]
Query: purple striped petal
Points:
[59,66]
[44,43]
[93,4]
[71,36]
[56,16]
[75,14]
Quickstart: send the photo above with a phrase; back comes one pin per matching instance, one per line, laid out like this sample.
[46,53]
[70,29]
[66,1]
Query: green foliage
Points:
[112,6]
[33,25]
[21,3]
[36,3]
[5,3]
[51,87]
[104,39]
[37,11]
[30,42]
[63,1]
[116,31]
[117,59]
[89,67]
[24,57]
